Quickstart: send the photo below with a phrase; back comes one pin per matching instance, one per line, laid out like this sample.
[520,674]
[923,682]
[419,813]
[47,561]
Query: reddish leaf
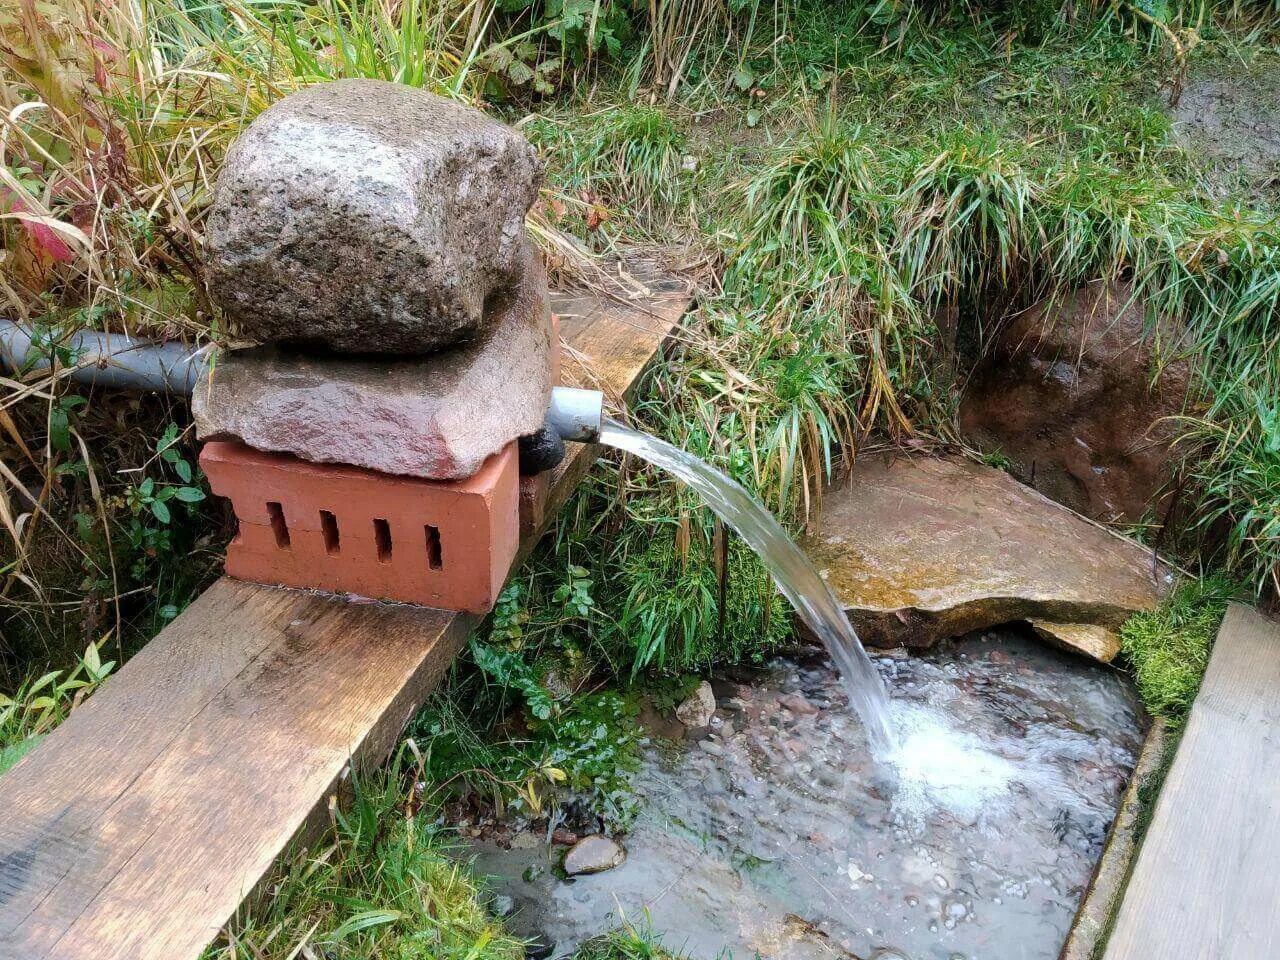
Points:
[44,240]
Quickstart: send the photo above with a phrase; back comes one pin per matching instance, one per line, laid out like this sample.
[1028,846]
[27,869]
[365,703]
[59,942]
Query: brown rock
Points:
[593,854]
[797,704]
[369,217]
[438,416]
[922,549]
[1066,393]
[697,709]
[1101,643]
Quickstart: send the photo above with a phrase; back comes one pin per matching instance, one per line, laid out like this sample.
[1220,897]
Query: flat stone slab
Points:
[439,416]
[919,549]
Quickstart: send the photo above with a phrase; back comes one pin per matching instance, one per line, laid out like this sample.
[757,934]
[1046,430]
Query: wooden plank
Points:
[138,826]
[1206,885]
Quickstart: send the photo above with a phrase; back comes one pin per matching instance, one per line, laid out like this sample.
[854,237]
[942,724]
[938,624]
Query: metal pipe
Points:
[576,414]
[113,359]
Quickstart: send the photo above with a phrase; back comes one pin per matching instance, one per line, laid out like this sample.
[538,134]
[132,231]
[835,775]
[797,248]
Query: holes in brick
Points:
[382,538]
[329,527]
[433,547]
[278,525]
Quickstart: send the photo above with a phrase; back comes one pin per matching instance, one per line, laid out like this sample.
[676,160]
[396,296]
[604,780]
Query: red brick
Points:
[477,521]
[533,503]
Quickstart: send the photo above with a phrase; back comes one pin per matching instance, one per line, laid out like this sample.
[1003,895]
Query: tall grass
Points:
[881,239]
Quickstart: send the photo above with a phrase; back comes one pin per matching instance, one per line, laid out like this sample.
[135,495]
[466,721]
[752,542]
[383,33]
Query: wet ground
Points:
[773,833]
[1229,114]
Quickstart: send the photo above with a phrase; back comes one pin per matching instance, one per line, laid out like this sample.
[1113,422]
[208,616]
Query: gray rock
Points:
[593,854]
[697,708]
[368,217]
[438,416]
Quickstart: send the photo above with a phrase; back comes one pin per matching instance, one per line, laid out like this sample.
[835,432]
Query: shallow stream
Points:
[773,833]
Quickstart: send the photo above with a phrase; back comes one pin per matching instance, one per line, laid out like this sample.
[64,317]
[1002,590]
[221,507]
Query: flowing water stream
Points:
[795,575]
[774,834]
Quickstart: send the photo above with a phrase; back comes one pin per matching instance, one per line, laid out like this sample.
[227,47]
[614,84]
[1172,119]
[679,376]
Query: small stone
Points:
[798,704]
[502,905]
[563,836]
[1098,642]
[593,854]
[362,216]
[698,708]
[525,840]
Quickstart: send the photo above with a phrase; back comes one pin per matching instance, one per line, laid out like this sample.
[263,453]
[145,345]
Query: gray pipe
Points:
[114,359]
[131,363]
[576,414]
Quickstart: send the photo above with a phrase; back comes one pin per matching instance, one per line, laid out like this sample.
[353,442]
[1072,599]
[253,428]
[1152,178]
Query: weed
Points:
[626,943]
[574,764]
[41,704]
[387,885]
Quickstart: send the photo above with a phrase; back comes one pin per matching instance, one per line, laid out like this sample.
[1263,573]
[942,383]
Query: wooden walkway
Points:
[138,826]
[1206,885]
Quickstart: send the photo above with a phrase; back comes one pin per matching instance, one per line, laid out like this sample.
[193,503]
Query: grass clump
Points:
[625,156]
[386,887]
[1169,647]
[627,943]
[39,705]
[573,765]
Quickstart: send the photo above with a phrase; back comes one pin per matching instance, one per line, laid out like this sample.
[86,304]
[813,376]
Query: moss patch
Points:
[1169,647]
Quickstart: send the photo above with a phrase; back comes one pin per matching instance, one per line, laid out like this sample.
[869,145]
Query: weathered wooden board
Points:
[1206,885]
[138,826]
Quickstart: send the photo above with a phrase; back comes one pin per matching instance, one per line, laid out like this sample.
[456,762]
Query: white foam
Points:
[941,767]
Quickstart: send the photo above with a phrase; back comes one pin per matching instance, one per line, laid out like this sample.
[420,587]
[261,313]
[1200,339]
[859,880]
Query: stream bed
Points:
[772,833]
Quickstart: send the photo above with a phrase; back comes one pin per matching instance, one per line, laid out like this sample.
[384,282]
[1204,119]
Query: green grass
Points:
[575,763]
[1168,648]
[628,943]
[878,212]
[384,887]
[40,704]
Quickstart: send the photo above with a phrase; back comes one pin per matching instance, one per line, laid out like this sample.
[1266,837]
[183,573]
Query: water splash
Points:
[941,767]
[795,575]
